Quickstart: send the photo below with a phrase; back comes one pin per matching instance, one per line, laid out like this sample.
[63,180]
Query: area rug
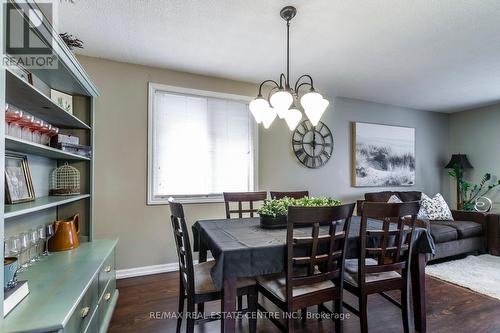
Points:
[478,273]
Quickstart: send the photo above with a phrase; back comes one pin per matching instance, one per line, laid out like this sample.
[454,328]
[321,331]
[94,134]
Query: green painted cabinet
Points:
[66,293]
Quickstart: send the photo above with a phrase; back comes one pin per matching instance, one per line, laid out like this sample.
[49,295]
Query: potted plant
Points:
[471,193]
[273,214]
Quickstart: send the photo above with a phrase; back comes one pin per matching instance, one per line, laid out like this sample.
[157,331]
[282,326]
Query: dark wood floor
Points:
[450,309]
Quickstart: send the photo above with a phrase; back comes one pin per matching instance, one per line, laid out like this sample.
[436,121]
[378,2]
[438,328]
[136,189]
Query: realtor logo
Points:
[28,41]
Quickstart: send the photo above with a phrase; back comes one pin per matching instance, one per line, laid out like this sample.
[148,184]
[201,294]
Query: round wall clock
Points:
[312,145]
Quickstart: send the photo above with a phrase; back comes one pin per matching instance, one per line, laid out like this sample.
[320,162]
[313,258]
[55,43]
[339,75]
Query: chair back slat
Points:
[240,198]
[319,257]
[292,194]
[390,245]
[183,246]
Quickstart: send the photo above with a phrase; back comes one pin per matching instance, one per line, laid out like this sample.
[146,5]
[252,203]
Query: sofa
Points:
[466,234]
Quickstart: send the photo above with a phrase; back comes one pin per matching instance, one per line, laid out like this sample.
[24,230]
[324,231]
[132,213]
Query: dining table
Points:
[242,248]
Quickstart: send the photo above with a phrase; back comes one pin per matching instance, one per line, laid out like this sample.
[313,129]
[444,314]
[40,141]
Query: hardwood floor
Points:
[450,309]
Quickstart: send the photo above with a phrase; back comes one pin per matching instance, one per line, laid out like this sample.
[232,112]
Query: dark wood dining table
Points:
[241,248]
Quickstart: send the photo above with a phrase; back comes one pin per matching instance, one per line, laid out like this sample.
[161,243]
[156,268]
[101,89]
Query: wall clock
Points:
[312,145]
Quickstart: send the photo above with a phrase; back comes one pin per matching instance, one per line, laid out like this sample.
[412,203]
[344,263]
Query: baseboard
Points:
[147,270]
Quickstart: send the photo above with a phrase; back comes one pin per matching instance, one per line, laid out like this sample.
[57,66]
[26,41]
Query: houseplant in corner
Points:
[471,193]
[273,212]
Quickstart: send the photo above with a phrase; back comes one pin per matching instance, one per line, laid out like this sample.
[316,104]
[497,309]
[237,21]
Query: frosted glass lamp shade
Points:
[314,106]
[257,107]
[281,101]
[293,118]
[268,117]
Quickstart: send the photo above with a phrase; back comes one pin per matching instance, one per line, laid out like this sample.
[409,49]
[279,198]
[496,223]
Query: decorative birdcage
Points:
[65,180]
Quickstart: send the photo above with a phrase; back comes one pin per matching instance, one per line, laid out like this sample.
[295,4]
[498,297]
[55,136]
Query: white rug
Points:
[477,273]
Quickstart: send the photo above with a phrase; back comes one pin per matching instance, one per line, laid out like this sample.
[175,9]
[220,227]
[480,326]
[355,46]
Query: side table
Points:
[494,234]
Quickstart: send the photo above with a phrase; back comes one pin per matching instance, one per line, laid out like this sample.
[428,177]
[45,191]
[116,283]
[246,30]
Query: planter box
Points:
[270,222]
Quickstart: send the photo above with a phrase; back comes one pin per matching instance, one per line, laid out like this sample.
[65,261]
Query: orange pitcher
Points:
[65,234]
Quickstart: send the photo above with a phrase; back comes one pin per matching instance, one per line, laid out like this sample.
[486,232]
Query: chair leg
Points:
[405,305]
[303,313]
[252,307]
[180,308]
[240,303]
[289,323]
[339,323]
[363,313]
[190,317]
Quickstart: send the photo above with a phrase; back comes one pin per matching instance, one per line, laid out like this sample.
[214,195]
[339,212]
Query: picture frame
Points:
[64,101]
[382,155]
[19,70]
[18,183]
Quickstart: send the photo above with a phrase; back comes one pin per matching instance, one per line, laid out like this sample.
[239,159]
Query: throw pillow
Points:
[394,199]
[422,213]
[436,208]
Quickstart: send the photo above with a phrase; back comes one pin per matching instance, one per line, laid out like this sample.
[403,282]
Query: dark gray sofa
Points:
[466,234]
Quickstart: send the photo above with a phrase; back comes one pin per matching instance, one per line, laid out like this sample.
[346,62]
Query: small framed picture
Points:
[64,101]
[18,184]
[19,70]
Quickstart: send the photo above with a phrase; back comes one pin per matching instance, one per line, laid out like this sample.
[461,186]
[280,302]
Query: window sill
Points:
[188,200]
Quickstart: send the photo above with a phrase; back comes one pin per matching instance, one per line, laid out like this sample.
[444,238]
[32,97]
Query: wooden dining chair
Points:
[196,284]
[383,262]
[293,194]
[241,198]
[314,262]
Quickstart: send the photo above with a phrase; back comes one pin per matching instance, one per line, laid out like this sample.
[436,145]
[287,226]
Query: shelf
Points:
[21,146]
[26,97]
[41,204]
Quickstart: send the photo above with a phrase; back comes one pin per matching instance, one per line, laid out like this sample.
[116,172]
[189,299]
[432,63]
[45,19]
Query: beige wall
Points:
[121,157]
[476,133]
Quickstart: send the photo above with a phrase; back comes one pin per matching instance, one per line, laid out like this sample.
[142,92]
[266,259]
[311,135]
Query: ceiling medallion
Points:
[283,99]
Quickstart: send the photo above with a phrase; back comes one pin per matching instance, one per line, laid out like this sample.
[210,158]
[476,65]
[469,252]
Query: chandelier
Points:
[283,99]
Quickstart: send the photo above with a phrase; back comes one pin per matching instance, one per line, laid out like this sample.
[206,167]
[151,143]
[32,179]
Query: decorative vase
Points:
[271,222]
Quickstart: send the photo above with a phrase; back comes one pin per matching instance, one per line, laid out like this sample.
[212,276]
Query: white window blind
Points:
[200,146]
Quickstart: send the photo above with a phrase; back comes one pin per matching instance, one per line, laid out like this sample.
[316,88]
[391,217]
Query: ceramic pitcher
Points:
[65,234]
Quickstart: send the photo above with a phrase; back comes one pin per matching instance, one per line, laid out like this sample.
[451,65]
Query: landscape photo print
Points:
[383,155]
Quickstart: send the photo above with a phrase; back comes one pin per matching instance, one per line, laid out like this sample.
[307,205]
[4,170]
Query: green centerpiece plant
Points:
[273,212]
[469,192]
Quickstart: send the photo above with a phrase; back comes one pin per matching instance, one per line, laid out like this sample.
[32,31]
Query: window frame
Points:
[208,198]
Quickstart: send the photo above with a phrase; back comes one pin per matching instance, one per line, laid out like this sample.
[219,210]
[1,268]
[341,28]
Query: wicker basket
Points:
[65,180]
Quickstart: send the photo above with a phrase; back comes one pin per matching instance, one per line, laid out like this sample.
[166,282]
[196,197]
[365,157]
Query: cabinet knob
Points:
[107,269]
[107,296]
[85,312]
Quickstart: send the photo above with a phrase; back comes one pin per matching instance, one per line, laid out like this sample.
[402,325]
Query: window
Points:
[200,144]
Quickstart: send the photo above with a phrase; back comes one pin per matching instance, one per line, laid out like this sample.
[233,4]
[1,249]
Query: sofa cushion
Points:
[410,195]
[465,229]
[442,233]
[436,208]
[379,196]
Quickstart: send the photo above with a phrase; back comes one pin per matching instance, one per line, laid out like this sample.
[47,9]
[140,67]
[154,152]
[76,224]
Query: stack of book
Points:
[13,296]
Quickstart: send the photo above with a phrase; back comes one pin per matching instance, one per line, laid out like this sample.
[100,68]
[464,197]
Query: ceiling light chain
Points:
[283,102]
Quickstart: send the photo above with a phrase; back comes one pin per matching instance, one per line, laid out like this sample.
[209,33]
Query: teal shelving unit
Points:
[78,281]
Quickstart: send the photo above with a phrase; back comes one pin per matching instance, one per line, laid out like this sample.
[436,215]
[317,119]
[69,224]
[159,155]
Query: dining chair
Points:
[383,261]
[196,284]
[240,198]
[316,243]
[293,194]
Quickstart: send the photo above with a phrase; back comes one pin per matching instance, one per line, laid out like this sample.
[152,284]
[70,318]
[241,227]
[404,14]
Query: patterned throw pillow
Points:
[435,208]
[394,199]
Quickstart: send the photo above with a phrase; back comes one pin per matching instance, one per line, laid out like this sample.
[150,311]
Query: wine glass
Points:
[41,238]
[26,123]
[13,116]
[49,232]
[37,130]
[33,234]
[25,245]
[45,133]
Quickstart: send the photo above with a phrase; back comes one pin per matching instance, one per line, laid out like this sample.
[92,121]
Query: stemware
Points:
[25,245]
[41,239]
[45,133]
[26,123]
[49,232]
[12,117]
[33,235]
[13,248]
[37,130]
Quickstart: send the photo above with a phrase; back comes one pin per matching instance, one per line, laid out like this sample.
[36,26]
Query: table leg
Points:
[229,305]
[419,295]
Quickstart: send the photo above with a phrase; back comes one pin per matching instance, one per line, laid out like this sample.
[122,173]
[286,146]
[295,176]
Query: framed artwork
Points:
[18,184]
[64,101]
[19,70]
[382,155]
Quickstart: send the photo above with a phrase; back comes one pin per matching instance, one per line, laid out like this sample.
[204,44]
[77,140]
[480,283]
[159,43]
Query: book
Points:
[14,296]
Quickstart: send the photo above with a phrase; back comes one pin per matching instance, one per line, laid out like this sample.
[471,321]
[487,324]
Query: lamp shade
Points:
[459,161]
[257,107]
[268,117]
[281,101]
[314,106]
[293,117]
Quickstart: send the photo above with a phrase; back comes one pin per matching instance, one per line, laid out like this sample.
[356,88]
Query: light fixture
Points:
[283,99]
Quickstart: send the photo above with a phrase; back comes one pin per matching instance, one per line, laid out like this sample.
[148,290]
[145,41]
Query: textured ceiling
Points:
[440,55]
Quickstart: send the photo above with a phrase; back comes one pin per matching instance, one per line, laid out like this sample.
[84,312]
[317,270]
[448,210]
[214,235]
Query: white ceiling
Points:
[440,55]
